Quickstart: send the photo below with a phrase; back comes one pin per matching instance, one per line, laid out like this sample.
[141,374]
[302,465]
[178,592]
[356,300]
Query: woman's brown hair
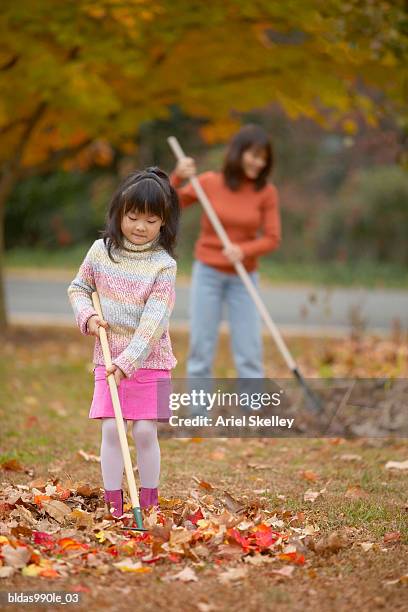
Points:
[249,136]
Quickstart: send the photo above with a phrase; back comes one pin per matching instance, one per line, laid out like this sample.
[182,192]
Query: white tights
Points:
[148,454]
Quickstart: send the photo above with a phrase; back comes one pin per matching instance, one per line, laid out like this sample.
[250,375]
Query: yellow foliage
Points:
[98,68]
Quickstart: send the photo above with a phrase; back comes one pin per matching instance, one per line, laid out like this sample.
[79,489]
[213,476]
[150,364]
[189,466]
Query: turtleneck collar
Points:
[129,246]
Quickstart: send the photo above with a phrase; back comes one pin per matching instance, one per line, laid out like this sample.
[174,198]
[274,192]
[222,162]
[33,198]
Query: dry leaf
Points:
[259,466]
[355,492]
[310,495]
[13,497]
[186,575]
[203,484]
[16,557]
[350,457]
[396,465]
[258,560]
[25,516]
[233,504]
[85,490]
[309,475]
[402,579]
[57,509]
[81,518]
[206,607]
[232,575]
[6,572]
[88,456]
[180,536]
[392,536]
[285,571]
[32,570]
[331,544]
[129,566]
[217,455]
[12,465]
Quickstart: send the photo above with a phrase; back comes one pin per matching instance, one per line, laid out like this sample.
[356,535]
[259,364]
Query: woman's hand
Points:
[94,323]
[233,253]
[119,375]
[186,168]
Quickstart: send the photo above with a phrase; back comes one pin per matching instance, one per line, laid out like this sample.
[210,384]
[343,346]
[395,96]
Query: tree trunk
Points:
[6,186]
[9,176]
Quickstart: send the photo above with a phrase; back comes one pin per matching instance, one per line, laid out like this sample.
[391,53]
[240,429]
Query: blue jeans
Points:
[209,290]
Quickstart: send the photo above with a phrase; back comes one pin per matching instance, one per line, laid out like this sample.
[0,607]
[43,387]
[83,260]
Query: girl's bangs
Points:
[147,197]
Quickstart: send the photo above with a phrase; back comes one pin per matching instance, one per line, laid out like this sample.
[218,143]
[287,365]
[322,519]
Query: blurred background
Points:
[91,90]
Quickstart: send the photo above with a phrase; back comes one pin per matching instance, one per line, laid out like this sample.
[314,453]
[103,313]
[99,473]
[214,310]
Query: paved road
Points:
[294,309]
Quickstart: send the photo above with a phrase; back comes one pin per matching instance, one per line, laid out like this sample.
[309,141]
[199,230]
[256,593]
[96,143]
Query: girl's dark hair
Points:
[145,191]
[249,136]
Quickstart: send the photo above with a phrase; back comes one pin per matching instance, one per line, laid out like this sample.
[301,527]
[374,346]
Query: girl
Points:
[133,269]
[245,204]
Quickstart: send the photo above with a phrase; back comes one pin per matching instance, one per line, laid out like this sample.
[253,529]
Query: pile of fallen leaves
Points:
[54,529]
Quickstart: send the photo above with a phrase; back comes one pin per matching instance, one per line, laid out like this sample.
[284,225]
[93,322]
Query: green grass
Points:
[363,274]
[43,258]
[331,274]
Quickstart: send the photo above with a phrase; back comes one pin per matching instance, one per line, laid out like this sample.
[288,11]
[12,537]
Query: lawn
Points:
[330,274]
[331,499]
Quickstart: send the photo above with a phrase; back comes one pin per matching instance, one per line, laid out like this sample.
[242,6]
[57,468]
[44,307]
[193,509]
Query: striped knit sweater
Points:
[137,296]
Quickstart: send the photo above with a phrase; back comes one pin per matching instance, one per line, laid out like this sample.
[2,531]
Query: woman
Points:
[246,204]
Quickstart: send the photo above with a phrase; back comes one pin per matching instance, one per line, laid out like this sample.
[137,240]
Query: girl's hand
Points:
[186,168]
[233,253]
[119,375]
[94,323]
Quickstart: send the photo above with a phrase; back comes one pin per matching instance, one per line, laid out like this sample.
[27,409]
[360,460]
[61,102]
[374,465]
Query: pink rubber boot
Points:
[148,498]
[114,500]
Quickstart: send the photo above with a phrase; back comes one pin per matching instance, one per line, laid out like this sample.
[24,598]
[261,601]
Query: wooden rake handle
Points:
[130,477]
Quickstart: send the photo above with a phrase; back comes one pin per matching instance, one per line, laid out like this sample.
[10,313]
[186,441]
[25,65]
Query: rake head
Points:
[137,513]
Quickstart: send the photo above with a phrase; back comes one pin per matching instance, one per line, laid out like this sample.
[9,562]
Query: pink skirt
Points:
[146,395]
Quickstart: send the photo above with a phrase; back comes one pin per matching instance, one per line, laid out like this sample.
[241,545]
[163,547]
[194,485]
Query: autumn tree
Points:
[78,78]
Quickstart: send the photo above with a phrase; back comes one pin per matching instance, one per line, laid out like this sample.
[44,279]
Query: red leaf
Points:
[265,536]
[43,539]
[193,518]
[235,534]
[62,493]
[140,537]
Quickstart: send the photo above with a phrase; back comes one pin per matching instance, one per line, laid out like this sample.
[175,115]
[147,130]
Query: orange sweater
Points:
[243,214]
